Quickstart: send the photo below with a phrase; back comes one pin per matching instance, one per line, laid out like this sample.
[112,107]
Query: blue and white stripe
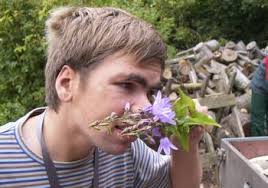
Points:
[139,166]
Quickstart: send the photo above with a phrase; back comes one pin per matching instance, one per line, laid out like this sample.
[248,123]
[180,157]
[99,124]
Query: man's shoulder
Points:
[7,128]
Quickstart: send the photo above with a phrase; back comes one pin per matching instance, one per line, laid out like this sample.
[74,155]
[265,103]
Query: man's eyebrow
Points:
[137,78]
[141,80]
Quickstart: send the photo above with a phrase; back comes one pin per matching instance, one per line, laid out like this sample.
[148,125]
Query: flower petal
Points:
[166,145]
[173,146]
[167,150]
[162,109]
[159,149]
[156,132]
[127,106]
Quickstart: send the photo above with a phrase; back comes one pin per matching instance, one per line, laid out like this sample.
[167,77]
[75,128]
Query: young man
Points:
[98,60]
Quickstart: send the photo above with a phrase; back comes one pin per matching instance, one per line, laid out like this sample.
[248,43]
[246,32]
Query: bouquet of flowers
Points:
[162,119]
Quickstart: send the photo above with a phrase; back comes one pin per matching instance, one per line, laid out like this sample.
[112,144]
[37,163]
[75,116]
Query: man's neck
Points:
[65,142]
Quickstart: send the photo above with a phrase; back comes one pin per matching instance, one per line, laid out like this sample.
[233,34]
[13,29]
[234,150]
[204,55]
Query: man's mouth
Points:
[121,127]
[118,129]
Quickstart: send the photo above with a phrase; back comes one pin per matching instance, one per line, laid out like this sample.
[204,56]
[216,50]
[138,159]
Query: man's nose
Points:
[140,103]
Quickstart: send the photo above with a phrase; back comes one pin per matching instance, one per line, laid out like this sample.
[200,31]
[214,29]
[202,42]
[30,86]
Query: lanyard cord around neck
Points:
[49,165]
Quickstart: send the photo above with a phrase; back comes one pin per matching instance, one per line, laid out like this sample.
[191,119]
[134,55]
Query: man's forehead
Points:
[152,63]
[122,57]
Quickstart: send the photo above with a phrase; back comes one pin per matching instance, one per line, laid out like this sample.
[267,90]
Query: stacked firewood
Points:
[219,77]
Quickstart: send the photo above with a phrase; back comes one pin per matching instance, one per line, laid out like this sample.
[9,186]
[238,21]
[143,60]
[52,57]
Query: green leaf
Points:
[183,135]
[184,105]
[186,117]
[200,119]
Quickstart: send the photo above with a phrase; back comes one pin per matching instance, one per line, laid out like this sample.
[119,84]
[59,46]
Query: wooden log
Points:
[212,69]
[205,55]
[197,48]
[193,86]
[251,46]
[224,132]
[245,122]
[168,86]
[184,67]
[241,81]
[237,125]
[176,60]
[229,55]
[241,46]
[167,74]
[222,72]
[210,91]
[231,82]
[248,69]
[242,52]
[244,58]
[255,62]
[184,52]
[230,45]
[242,62]
[220,78]
[217,101]
[209,143]
[232,124]
[244,101]
[193,78]
[204,86]
[204,76]
[217,55]
[221,112]
[173,96]
[221,85]
[254,51]
[213,45]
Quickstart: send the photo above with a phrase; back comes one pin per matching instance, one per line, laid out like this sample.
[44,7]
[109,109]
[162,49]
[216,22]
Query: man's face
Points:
[113,83]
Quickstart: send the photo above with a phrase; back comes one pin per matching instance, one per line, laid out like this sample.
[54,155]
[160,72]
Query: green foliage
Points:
[187,116]
[181,23]
[21,58]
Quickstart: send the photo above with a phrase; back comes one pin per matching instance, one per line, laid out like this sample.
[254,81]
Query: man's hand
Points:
[197,132]
[196,135]
[186,170]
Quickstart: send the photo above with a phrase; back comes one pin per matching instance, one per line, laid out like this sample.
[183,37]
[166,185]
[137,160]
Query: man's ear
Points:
[65,83]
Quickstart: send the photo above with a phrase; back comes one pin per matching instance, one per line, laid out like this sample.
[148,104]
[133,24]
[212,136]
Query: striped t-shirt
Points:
[138,167]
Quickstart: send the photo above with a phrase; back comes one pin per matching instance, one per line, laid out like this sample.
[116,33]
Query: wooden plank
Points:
[217,100]
[237,126]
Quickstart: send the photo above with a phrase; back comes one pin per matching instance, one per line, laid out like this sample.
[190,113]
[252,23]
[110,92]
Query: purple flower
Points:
[166,145]
[156,132]
[162,109]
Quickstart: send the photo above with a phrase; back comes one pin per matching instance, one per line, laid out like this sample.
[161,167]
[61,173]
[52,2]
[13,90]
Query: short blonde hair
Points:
[82,36]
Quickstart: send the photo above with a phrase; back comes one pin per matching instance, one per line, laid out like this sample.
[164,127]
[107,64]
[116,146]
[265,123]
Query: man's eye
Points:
[126,85]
